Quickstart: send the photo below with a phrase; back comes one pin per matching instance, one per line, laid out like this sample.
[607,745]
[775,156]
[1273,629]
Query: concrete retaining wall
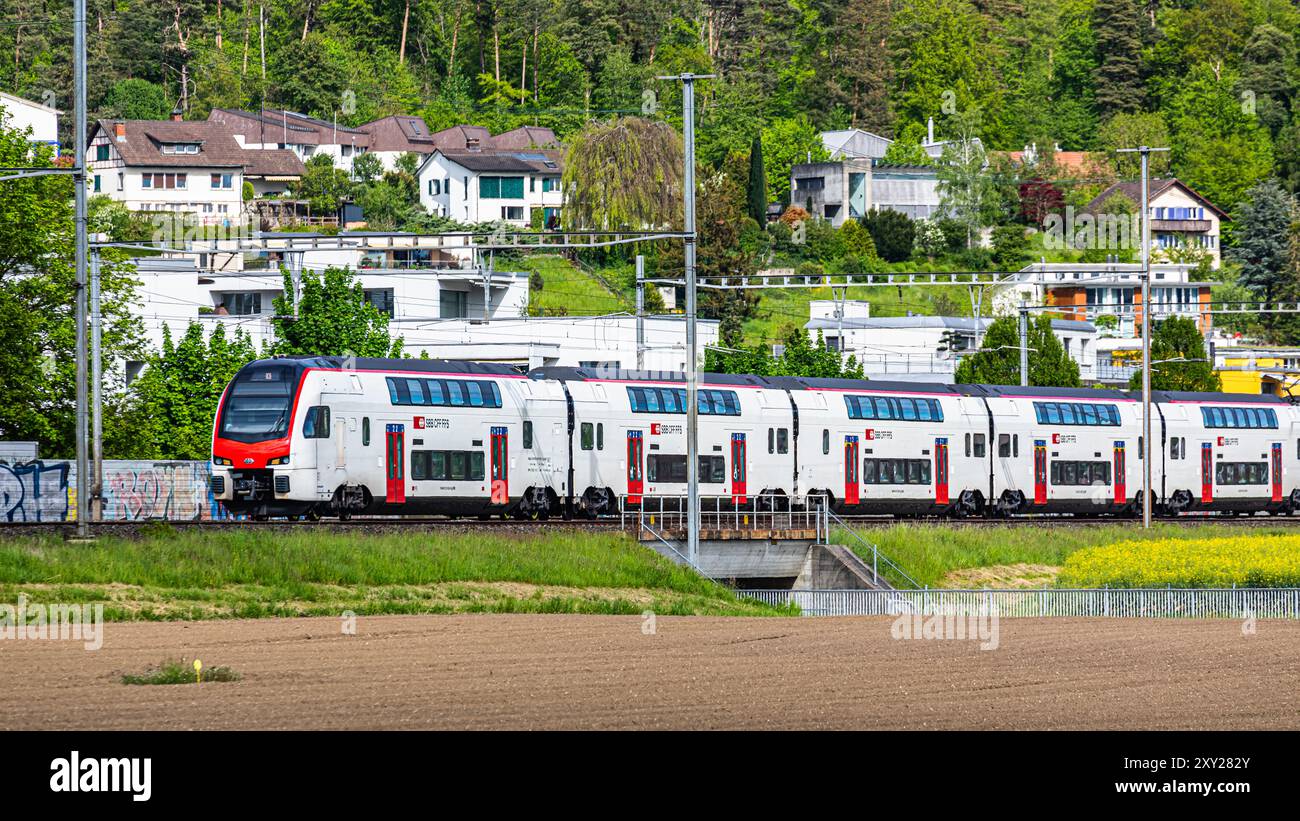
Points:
[46,491]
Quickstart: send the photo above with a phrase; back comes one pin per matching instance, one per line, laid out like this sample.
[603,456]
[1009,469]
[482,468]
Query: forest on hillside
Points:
[1215,80]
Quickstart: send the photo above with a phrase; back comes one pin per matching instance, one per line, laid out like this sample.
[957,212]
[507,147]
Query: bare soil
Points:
[552,672]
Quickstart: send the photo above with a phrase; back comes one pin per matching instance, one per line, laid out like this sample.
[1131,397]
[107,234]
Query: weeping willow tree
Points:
[623,173]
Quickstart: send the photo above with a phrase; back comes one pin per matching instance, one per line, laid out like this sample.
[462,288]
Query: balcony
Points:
[1184,226]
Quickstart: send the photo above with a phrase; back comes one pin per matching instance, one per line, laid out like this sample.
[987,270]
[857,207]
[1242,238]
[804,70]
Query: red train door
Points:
[738,469]
[635,480]
[1277,471]
[1207,472]
[500,466]
[395,463]
[1040,471]
[1121,485]
[851,470]
[941,471]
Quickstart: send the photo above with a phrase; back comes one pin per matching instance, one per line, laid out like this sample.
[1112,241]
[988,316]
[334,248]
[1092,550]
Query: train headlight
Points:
[283,460]
[221,460]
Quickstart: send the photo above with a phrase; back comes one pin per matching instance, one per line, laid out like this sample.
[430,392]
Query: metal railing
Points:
[751,511]
[1157,603]
[876,556]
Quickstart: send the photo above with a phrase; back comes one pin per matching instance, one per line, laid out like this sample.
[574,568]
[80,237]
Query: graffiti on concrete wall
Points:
[34,491]
[44,491]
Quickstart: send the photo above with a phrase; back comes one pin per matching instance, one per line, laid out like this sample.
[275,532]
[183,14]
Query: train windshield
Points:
[258,406]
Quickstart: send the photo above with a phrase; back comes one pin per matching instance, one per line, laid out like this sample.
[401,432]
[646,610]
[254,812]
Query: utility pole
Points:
[640,312]
[82,247]
[1024,344]
[1146,450]
[692,366]
[97,387]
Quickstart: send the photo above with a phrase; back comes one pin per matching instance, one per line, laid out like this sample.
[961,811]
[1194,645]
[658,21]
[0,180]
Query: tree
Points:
[1130,130]
[893,233]
[333,317]
[367,168]
[1010,246]
[322,185]
[965,191]
[623,173]
[180,390]
[800,356]
[855,240]
[37,320]
[998,360]
[1118,27]
[906,150]
[1263,221]
[788,141]
[757,190]
[1178,338]
[136,99]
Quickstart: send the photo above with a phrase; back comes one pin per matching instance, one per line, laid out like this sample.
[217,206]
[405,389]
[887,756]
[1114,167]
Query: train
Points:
[328,436]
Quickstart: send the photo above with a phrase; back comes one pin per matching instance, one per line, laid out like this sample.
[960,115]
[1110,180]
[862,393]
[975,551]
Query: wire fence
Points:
[1150,603]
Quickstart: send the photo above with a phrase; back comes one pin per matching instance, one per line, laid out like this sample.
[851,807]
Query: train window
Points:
[826,442]
[438,464]
[900,408]
[600,436]
[1140,448]
[439,392]
[1177,448]
[896,471]
[1241,473]
[588,436]
[663,467]
[673,400]
[1239,417]
[1076,413]
[968,444]
[420,460]
[416,388]
[317,423]
[365,431]
[1015,445]
[1004,445]
[782,440]
[436,395]
[771,440]
[979,446]
[1080,473]
[528,434]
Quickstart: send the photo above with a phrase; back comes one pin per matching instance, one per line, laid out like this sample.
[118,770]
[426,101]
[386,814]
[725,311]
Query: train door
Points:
[1277,471]
[635,474]
[1121,485]
[941,471]
[851,496]
[738,469]
[1207,473]
[500,466]
[1040,471]
[395,463]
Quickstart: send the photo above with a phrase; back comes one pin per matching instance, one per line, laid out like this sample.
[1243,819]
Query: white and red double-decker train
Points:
[310,436]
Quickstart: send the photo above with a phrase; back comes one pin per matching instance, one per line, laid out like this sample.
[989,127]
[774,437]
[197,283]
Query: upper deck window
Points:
[1076,413]
[1252,418]
[454,393]
[906,408]
[673,400]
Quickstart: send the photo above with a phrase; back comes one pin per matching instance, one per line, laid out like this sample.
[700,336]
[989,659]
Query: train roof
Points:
[1017,391]
[812,383]
[381,364]
[1235,398]
[570,374]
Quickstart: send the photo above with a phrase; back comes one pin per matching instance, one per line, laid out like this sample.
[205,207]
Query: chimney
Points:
[119,131]
[177,114]
[929,131]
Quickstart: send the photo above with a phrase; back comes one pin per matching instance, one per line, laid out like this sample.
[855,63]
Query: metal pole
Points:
[97,391]
[79,181]
[1024,344]
[640,312]
[692,367]
[1146,340]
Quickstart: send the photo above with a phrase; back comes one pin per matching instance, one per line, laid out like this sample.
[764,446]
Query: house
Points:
[168,165]
[19,115]
[486,186]
[306,137]
[391,137]
[565,341]
[845,189]
[1179,216]
[1073,163]
[928,348]
[1257,369]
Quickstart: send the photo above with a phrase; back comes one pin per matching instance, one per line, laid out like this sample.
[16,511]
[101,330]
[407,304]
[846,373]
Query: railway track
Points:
[381,525]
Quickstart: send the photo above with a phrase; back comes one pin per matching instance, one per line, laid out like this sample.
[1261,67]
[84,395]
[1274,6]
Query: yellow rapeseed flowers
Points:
[1246,561]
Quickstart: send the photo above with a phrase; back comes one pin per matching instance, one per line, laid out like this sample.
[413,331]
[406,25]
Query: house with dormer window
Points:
[179,166]
[1180,217]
